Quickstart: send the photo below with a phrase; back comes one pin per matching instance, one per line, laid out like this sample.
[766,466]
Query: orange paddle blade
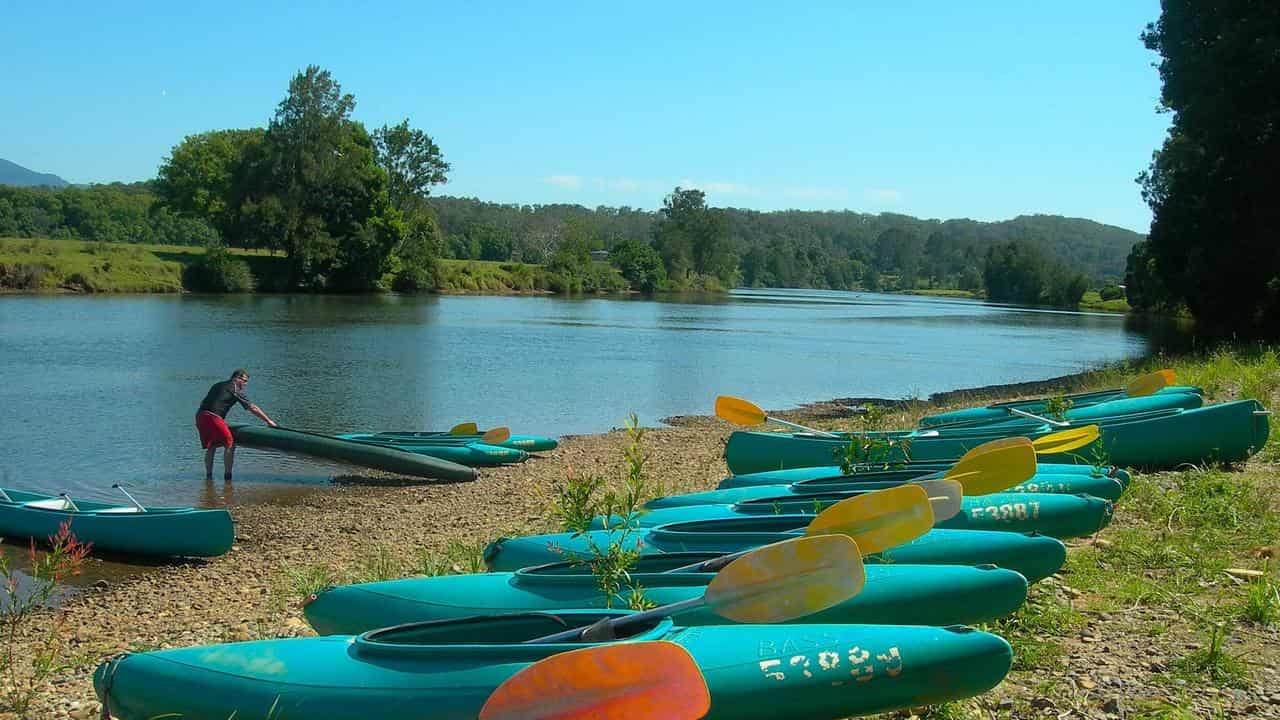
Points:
[495,436]
[618,682]
[1147,384]
[788,579]
[467,428]
[738,411]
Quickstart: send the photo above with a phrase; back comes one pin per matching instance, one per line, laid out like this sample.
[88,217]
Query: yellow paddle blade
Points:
[945,497]
[788,579]
[468,428]
[1066,440]
[878,520]
[495,436]
[738,411]
[995,466]
[1147,384]
[617,681]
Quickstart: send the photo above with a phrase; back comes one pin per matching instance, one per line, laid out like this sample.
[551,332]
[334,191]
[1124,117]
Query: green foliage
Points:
[1213,663]
[1056,407]
[218,271]
[1111,292]
[302,582]
[116,213]
[419,268]
[1211,185]
[693,239]
[1262,602]
[640,264]
[575,502]
[1016,272]
[412,162]
[199,178]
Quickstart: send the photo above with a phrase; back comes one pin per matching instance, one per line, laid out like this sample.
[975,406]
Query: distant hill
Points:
[14,174]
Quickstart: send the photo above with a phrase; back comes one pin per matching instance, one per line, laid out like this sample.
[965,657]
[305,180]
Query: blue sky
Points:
[936,109]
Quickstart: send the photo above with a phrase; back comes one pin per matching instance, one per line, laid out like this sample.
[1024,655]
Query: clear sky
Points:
[933,108]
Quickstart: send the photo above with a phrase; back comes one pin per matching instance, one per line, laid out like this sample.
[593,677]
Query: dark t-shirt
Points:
[221,397]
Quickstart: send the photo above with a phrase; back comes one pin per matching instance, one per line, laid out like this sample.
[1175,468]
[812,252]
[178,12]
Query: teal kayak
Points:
[446,670]
[896,594]
[328,447]
[1001,411]
[1060,516]
[472,453]
[1102,486]
[1110,411]
[117,527]
[1034,556]
[527,443]
[1226,432]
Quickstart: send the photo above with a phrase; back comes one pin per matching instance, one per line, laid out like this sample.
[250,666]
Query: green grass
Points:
[489,277]
[44,265]
[1092,300]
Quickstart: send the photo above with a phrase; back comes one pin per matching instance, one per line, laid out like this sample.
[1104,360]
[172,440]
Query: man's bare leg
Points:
[228,460]
[208,462]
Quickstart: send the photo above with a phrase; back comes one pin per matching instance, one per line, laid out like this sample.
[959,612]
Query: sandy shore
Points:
[341,529]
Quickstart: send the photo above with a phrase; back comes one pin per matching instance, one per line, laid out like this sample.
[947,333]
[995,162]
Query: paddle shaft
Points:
[802,428]
[610,626]
[1033,416]
[136,504]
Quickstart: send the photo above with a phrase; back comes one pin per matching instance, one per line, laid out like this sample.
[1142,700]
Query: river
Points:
[103,389]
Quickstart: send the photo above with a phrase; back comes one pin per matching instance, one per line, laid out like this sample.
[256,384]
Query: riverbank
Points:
[1123,628]
[1092,299]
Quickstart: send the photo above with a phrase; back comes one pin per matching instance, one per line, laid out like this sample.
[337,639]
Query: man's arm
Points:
[258,411]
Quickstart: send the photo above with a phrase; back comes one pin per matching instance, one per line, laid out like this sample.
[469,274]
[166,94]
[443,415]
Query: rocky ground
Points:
[1077,662]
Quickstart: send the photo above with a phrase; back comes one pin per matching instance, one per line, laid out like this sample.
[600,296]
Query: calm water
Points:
[103,389]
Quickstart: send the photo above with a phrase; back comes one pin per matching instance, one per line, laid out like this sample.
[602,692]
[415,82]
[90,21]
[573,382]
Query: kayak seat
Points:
[50,504]
[129,509]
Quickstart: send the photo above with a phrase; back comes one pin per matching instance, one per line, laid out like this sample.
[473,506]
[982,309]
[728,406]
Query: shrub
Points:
[218,271]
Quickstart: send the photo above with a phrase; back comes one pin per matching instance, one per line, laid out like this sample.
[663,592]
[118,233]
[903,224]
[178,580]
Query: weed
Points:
[25,669]
[381,564]
[1212,663]
[1056,407]
[1262,602]
[302,582]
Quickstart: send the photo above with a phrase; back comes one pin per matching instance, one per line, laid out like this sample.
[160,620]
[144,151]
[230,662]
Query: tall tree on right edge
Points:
[1213,185]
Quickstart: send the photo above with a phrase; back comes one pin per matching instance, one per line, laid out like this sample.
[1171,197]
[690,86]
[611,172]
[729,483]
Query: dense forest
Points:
[1212,186]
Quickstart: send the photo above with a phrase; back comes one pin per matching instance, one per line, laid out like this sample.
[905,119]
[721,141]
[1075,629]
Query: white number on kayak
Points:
[1007,512]
[862,665]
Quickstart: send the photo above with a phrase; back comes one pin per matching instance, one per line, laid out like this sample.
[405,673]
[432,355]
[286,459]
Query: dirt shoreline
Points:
[243,595]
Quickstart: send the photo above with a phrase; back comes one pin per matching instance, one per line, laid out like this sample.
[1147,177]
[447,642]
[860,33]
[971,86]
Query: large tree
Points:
[692,237]
[315,190]
[412,161]
[1212,186]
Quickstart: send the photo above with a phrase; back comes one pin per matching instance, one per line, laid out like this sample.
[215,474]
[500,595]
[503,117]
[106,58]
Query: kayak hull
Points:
[445,671]
[1034,556]
[1225,432]
[473,454]
[327,447]
[1101,486]
[1059,516]
[120,528]
[894,594]
[1000,411]
[527,443]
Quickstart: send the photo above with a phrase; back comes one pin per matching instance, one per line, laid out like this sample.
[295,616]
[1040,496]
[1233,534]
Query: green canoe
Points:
[328,447]
[1112,410]
[1035,556]
[895,594]
[117,527]
[462,452]
[1060,516]
[1226,432]
[528,443]
[1001,411]
[446,670]
[1097,485]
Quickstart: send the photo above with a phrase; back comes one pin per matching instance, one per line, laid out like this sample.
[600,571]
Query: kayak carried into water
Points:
[829,479]
[1059,516]
[463,452]
[118,527]
[446,670]
[1225,432]
[896,594]
[1038,406]
[1034,556]
[527,443]
[328,447]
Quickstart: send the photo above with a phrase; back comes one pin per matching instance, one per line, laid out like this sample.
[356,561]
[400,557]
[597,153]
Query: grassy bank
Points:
[492,278]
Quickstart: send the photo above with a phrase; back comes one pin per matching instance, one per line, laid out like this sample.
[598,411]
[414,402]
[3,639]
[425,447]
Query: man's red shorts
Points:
[213,430]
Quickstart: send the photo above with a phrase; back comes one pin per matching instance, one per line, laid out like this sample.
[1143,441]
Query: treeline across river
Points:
[350,209]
